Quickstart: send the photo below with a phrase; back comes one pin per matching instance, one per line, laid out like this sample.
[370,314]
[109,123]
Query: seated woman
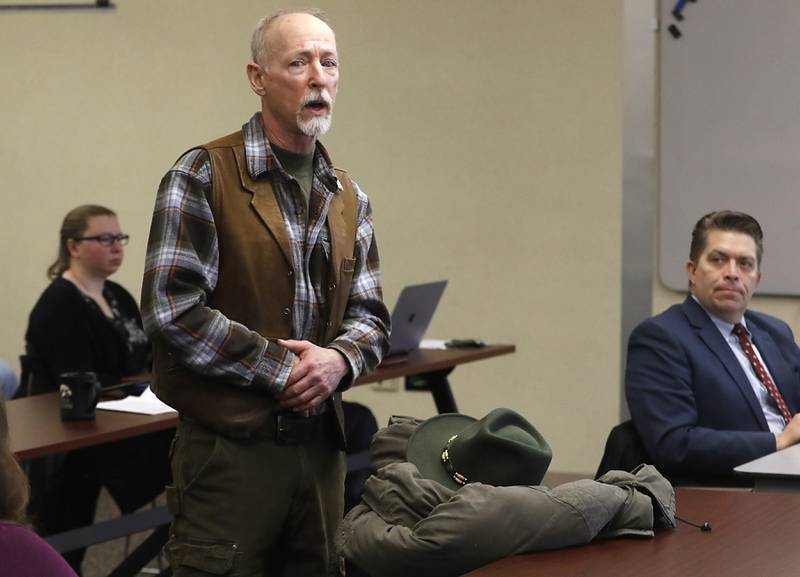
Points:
[85,322]
[23,552]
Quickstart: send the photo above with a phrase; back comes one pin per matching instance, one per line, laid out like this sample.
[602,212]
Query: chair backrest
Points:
[624,450]
[41,472]
[34,378]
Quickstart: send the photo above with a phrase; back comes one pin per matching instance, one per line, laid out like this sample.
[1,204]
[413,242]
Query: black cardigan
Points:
[67,331]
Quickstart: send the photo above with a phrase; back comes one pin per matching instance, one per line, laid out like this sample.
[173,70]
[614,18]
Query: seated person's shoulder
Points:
[25,554]
[118,290]
[768,322]
[58,295]
[778,330]
[60,287]
[124,299]
[668,323]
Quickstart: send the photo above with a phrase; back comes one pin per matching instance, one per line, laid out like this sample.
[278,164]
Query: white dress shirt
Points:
[771,412]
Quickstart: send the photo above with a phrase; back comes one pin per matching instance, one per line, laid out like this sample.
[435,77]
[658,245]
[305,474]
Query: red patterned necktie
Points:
[761,372]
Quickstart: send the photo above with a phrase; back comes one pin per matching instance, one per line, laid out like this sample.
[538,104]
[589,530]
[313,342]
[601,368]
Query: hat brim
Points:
[427,442]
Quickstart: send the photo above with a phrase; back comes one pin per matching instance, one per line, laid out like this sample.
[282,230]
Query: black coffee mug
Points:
[79,393]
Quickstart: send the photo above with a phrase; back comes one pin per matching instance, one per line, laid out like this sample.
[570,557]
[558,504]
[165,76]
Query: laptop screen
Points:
[412,314]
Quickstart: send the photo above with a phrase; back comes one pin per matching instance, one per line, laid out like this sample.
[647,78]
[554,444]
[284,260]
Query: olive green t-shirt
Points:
[299,166]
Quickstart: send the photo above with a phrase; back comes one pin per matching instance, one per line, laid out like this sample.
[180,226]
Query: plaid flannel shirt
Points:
[181,270]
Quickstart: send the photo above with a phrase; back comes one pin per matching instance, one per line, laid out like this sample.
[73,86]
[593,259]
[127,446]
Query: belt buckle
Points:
[293,430]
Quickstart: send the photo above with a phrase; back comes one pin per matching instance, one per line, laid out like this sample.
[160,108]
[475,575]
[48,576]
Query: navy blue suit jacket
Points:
[689,397]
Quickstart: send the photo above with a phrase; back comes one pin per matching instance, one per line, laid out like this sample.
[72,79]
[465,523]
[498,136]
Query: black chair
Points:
[624,450]
[34,378]
[360,426]
[42,471]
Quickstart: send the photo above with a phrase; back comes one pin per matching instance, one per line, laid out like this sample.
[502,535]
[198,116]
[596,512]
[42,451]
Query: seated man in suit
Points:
[711,385]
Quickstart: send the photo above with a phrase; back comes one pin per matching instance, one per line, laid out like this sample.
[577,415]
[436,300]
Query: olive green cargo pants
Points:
[253,508]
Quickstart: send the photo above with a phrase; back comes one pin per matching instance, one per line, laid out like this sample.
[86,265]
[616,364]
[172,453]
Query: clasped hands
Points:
[314,377]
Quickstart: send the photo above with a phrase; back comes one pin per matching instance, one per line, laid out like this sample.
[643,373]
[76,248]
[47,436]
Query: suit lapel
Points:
[780,371]
[710,335]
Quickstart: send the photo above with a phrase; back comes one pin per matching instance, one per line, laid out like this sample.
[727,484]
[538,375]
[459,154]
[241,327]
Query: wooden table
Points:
[421,361]
[428,369]
[752,535]
[36,429]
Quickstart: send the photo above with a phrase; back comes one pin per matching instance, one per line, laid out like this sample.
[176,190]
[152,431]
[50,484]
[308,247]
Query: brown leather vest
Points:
[255,288]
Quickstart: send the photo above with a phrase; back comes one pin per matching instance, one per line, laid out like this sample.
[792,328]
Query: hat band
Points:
[448,464]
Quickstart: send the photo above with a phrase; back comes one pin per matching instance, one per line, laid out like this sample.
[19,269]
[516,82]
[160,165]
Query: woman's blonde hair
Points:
[14,487]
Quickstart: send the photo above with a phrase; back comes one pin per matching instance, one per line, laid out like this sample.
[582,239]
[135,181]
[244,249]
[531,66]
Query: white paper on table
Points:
[145,404]
[432,344]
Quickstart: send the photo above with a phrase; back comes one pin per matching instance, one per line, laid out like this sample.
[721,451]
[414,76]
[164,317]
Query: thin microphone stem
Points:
[704,527]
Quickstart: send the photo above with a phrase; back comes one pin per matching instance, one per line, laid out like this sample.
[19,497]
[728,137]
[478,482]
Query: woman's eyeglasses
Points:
[107,239]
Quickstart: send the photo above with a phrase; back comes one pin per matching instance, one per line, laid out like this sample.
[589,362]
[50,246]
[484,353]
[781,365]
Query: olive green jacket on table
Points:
[407,525]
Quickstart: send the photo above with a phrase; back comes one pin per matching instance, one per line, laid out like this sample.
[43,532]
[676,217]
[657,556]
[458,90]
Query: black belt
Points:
[296,429]
[285,427]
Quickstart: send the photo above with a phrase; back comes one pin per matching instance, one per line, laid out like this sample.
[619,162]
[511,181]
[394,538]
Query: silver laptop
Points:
[412,314]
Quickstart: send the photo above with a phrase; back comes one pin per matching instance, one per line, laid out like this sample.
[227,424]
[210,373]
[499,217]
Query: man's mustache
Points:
[317,96]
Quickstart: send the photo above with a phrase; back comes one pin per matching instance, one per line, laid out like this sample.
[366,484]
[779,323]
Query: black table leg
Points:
[437,384]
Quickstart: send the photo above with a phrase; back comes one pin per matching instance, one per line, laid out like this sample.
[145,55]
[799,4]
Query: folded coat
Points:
[408,525]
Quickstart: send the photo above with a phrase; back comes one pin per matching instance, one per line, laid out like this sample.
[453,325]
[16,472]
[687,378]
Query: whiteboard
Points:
[730,129]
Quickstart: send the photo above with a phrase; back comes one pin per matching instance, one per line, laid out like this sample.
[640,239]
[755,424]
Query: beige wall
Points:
[487,134]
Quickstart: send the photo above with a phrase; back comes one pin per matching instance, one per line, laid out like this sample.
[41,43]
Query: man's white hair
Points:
[258,41]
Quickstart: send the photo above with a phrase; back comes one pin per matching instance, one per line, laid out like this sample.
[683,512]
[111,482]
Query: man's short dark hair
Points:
[727,220]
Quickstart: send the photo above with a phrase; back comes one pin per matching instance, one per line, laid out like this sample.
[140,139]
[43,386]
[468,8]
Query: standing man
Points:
[711,384]
[262,295]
